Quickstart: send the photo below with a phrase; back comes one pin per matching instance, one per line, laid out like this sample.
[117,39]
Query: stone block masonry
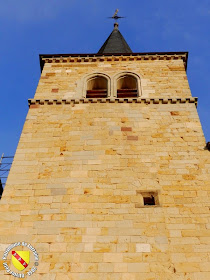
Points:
[158,78]
[80,168]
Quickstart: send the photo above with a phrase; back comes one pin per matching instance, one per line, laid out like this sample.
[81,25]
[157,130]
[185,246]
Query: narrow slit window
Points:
[97,87]
[127,87]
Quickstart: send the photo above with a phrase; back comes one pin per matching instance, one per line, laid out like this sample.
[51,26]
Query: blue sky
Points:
[29,28]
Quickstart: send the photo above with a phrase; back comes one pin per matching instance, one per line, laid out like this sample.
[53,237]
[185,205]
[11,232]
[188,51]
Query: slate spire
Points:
[115,43]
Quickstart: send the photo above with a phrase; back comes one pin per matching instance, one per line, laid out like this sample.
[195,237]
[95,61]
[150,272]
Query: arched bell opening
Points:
[127,86]
[97,87]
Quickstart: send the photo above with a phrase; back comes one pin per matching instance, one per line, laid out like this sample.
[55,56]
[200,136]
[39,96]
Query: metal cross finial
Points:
[115,16]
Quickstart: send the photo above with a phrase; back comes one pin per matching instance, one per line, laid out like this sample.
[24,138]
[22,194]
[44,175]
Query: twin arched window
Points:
[97,86]
[125,85]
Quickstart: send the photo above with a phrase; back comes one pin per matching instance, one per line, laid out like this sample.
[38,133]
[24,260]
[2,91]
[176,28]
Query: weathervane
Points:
[115,16]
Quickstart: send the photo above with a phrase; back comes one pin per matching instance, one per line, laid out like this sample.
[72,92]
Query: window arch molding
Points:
[92,76]
[126,73]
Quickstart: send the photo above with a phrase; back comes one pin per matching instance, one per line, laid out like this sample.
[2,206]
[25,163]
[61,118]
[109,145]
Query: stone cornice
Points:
[114,100]
[71,58]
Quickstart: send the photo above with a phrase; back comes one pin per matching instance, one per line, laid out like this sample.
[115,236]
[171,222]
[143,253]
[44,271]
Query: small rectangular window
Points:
[148,198]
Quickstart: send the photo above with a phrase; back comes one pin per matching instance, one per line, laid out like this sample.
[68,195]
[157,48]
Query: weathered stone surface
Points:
[73,187]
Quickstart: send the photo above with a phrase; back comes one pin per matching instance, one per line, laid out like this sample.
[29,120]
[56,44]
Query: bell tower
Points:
[110,179]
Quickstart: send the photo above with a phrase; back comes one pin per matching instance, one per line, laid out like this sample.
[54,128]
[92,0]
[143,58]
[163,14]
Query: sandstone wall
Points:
[73,189]
[159,78]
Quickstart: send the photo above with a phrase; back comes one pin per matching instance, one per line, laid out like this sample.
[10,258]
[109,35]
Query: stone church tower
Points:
[110,180]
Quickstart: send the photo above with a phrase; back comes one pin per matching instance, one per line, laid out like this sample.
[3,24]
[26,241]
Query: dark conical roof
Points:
[115,43]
